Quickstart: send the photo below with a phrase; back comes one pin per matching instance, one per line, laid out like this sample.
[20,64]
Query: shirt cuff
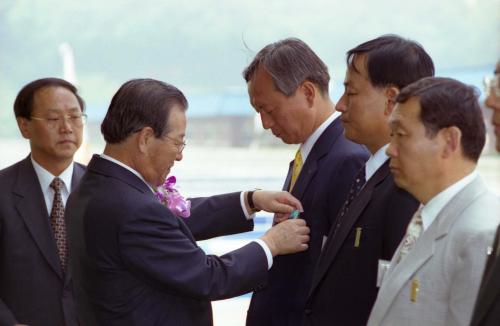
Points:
[266,249]
[243,207]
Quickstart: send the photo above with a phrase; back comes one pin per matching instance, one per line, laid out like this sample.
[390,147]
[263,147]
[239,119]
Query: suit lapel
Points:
[288,179]
[322,147]
[335,242]
[399,274]
[32,209]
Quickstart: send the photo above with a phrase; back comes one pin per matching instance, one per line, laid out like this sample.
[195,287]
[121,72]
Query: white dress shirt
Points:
[375,162]
[45,178]
[431,210]
[307,146]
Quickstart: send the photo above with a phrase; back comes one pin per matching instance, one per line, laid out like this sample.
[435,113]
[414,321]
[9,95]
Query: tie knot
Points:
[57,184]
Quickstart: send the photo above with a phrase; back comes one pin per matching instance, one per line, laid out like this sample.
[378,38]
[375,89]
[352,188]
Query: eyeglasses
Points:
[492,85]
[75,120]
[180,145]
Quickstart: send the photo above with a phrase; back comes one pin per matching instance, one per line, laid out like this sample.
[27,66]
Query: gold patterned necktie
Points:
[297,166]
[413,231]
[58,224]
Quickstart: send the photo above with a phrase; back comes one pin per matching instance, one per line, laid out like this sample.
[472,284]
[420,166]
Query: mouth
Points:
[66,141]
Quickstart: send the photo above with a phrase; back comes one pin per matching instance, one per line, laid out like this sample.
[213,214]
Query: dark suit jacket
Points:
[487,310]
[322,187]
[33,289]
[135,263]
[344,288]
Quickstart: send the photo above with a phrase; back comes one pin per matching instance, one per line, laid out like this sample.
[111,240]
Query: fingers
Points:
[276,201]
[280,217]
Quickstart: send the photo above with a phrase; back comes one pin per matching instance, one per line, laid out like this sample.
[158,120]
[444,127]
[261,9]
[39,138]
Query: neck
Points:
[449,176]
[54,165]
[375,146]
[325,109]
[120,153]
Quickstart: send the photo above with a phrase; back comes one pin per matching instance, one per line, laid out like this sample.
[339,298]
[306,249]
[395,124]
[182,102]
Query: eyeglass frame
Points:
[56,121]
[492,84]
[180,145]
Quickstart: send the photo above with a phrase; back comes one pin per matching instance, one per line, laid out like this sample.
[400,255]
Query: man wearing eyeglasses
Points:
[35,286]
[133,261]
[487,308]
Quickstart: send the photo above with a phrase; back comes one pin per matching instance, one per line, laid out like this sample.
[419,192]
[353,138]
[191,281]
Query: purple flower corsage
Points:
[171,198]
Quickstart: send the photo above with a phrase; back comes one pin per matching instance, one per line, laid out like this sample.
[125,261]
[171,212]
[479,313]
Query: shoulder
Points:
[481,215]
[9,174]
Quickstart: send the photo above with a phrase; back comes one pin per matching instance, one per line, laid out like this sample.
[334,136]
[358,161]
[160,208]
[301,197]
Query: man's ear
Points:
[453,138]
[22,123]
[144,139]
[310,91]
[390,93]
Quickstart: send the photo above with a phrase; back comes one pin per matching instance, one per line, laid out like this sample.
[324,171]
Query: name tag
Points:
[383,267]
[415,287]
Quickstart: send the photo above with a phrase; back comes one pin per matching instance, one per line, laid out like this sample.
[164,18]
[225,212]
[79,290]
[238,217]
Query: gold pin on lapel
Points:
[414,290]
[358,237]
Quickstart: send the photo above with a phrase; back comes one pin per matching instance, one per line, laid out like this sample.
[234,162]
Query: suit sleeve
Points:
[216,216]
[6,316]
[156,245]
[467,263]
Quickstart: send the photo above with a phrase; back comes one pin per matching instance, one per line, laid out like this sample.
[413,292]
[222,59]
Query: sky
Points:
[202,46]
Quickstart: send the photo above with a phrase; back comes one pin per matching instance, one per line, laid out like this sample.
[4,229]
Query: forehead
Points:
[407,113]
[357,72]
[177,120]
[55,98]
[261,85]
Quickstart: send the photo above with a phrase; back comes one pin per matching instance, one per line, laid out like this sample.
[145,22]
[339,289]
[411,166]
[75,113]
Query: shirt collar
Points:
[307,146]
[45,177]
[123,165]
[375,161]
[431,210]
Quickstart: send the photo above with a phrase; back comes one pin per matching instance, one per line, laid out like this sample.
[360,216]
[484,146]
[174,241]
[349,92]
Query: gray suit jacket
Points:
[437,283]
[33,289]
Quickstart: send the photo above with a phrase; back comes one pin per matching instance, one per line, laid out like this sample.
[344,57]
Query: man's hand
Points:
[287,237]
[276,201]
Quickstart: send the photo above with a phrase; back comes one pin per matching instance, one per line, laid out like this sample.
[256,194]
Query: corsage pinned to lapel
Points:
[169,196]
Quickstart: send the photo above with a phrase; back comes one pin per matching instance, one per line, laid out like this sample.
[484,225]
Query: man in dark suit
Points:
[487,309]
[133,261]
[35,286]
[374,217]
[288,87]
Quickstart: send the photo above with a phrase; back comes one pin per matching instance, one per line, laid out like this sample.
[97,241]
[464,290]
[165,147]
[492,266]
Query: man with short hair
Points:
[35,284]
[438,134]
[134,262]
[373,220]
[288,87]
[487,308]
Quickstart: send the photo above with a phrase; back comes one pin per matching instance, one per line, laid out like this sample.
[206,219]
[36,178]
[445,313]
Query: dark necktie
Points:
[58,224]
[353,192]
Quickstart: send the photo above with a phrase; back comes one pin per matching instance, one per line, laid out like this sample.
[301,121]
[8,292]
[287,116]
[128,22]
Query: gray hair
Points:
[290,62]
